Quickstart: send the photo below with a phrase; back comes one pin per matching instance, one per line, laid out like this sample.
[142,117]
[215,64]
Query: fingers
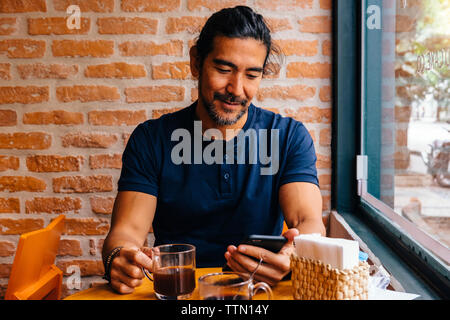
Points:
[121,287]
[290,234]
[139,257]
[126,273]
[245,259]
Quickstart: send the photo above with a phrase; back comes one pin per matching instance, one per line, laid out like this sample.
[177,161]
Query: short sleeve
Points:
[300,165]
[139,162]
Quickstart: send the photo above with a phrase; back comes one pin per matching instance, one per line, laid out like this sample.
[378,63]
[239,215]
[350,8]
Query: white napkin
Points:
[339,253]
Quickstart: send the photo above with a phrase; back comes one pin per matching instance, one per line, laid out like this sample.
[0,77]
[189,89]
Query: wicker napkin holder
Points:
[313,280]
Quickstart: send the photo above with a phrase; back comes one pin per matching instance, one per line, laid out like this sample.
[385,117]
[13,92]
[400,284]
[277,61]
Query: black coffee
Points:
[174,281]
[228,297]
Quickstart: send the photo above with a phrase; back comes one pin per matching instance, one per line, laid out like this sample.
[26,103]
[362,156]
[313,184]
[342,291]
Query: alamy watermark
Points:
[74,280]
[258,143]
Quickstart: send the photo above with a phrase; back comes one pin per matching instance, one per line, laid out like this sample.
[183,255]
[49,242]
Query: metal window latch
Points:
[361,173]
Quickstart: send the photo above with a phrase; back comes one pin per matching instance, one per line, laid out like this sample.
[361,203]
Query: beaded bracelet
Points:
[114,253]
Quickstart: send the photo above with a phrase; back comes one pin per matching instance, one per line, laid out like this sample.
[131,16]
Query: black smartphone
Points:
[271,243]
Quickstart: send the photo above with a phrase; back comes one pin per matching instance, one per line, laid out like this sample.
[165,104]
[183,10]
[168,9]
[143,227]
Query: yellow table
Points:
[282,291]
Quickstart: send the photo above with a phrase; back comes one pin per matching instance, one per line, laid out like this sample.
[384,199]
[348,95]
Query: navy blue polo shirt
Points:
[212,204]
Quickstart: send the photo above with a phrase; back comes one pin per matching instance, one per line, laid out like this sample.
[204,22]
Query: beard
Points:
[214,113]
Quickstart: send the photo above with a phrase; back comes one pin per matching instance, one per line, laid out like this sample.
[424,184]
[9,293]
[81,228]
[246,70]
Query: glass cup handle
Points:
[264,287]
[147,274]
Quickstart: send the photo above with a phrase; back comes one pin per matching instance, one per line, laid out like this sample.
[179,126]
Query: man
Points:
[198,175]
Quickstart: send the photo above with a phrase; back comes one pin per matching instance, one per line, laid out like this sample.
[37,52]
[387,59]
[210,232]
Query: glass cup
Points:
[173,271]
[230,286]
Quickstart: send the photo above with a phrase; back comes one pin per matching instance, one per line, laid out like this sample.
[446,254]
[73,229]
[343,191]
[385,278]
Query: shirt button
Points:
[226,176]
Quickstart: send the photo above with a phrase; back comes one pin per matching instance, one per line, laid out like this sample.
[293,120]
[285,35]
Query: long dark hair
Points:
[239,22]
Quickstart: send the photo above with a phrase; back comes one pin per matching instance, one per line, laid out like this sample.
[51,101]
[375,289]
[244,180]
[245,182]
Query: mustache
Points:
[230,98]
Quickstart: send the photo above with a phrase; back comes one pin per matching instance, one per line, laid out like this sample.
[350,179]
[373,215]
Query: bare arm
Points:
[131,219]
[301,203]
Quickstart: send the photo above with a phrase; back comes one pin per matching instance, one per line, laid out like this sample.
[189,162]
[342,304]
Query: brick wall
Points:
[69,99]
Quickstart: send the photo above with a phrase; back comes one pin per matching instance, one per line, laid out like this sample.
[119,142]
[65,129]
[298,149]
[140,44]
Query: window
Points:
[402,169]
[383,52]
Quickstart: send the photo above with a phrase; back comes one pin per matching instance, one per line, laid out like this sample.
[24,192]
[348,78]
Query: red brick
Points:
[116,117]
[9,163]
[7,26]
[101,205]
[402,114]
[325,94]
[25,140]
[401,138]
[125,137]
[25,95]
[408,92]
[150,5]
[68,247]
[19,6]
[22,48]
[8,118]
[53,205]
[85,5]
[17,183]
[325,181]
[87,93]
[312,115]
[298,92]
[5,269]
[404,23]
[327,48]
[53,163]
[172,70]
[156,113]
[120,70]
[86,226]
[82,184]
[89,140]
[278,24]
[82,48]
[49,71]
[87,267]
[296,47]
[323,162]
[212,5]
[401,159]
[58,117]
[127,25]
[9,205]
[154,94]
[309,70]
[327,4]
[92,248]
[101,161]
[180,24]
[56,26]
[7,249]
[285,5]
[5,71]
[317,24]
[19,226]
[325,137]
[145,48]
[326,202]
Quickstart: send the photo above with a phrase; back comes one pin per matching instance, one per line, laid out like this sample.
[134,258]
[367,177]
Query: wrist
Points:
[108,262]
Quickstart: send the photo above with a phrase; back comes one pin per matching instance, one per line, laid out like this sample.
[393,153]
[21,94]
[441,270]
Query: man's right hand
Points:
[126,273]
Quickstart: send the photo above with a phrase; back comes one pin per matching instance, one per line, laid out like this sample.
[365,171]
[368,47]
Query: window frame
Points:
[349,120]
